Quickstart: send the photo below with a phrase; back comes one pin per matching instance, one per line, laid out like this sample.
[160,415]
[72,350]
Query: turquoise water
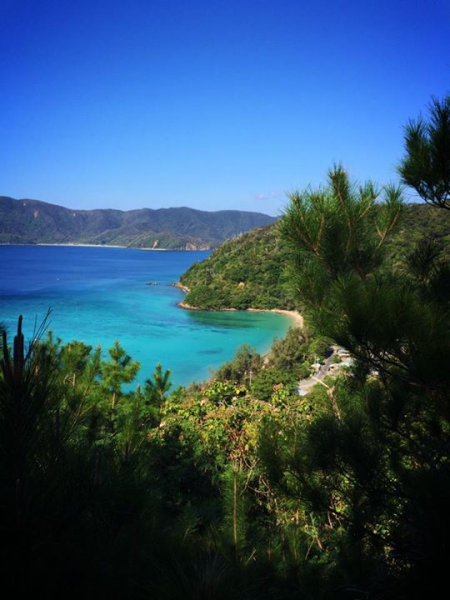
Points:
[99,295]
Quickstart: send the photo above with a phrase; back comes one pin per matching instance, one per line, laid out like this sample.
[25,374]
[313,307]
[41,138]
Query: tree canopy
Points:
[426,165]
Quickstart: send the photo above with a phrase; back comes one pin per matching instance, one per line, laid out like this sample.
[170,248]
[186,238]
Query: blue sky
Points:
[210,104]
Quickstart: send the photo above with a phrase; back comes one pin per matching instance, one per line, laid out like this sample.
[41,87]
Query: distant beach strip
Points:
[295,316]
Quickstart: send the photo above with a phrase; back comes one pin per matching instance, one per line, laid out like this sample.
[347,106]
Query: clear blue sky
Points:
[212,104]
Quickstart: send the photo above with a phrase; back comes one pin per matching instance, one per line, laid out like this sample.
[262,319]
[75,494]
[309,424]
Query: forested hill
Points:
[248,272]
[34,222]
[252,271]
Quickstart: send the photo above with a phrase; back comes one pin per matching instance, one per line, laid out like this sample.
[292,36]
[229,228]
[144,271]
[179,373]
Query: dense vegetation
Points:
[239,488]
[247,272]
[35,222]
[255,269]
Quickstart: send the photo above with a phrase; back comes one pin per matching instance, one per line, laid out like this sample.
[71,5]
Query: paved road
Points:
[305,385]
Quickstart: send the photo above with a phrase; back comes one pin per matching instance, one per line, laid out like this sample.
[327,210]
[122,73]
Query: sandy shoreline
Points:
[94,246]
[295,316]
[78,245]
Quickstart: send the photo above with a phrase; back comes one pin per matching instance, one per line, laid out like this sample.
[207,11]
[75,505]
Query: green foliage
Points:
[221,392]
[367,466]
[246,272]
[426,166]
[290,352]
[120,369]
[235,507]
[255,270]
[72,476]
[271,379]
[156,389]
[241,369]
[336,232]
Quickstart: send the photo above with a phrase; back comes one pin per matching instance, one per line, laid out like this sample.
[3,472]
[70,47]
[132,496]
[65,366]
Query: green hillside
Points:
[247,272]
[252,271]
[36,222]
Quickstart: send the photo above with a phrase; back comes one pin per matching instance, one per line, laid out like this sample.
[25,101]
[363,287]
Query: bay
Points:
[102,294]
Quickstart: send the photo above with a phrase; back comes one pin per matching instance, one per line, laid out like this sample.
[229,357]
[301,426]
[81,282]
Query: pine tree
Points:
[426,165]
[372,468]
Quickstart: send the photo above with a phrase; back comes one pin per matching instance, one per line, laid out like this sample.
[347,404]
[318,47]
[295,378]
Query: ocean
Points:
[101,294]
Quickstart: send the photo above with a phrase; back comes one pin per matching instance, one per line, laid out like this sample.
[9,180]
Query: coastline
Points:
[295,316]
[96,246]
[76,245]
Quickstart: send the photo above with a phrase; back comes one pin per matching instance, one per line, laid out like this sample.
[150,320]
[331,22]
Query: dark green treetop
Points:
[426,165]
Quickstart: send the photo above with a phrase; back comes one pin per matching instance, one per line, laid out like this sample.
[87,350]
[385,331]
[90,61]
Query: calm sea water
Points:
[99,295]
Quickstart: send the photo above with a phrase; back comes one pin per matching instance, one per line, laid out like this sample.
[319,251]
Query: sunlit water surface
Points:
[99,295]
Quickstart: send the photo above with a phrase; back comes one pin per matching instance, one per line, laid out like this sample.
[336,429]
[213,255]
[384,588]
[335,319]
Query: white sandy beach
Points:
[295,316]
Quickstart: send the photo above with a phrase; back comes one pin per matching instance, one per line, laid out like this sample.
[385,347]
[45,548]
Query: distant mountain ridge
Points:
[36,222]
